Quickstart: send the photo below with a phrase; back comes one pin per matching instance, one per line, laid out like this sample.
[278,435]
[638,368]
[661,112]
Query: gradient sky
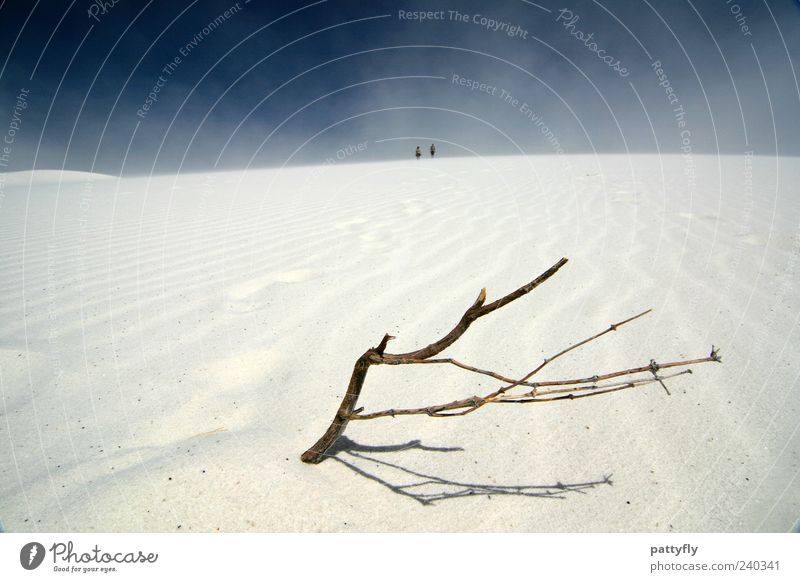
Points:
[296,82]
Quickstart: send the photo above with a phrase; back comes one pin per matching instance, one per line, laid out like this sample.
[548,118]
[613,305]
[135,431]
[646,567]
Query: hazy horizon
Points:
[353,162]
[214,84]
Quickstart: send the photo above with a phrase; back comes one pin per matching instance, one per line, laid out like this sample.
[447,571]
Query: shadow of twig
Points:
[427,489]
[345,445]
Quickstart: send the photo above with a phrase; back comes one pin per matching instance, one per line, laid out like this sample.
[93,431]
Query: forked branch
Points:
[567,389]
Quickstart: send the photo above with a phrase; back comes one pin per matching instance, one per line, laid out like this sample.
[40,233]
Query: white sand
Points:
[170,346]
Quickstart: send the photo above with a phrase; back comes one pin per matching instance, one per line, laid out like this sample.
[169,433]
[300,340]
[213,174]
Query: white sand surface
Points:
[169,346]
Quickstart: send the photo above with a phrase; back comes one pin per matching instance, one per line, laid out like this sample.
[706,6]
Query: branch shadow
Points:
[428,489]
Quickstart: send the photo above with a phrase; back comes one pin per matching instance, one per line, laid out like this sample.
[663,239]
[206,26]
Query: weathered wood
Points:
[373,355]
[376,355]
[576,388]
[317,452]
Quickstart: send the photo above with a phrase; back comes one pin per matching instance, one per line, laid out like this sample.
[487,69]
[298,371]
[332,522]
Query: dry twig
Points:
[567,389]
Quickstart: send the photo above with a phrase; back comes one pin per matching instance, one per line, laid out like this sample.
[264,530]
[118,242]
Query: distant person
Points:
[433,150]
[418,153]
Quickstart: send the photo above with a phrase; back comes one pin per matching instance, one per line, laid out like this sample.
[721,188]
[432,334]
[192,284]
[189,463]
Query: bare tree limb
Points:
[476,310]
[569,389]
[463,366]
[376,355]
[714,357]
[475,402]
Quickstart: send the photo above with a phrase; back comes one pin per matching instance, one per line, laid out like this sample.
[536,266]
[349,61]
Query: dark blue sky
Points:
[267,82]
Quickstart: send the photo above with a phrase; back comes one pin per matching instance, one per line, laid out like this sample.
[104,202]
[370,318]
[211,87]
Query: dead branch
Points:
[568,389]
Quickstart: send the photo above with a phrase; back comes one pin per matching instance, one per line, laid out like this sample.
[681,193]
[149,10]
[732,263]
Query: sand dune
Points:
[170,345]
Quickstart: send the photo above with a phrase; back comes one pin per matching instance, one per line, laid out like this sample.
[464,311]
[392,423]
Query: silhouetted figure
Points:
[433,150]
[418,153]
